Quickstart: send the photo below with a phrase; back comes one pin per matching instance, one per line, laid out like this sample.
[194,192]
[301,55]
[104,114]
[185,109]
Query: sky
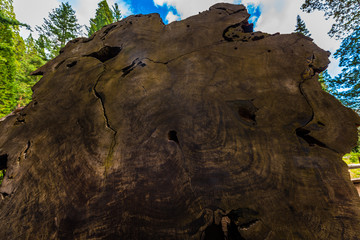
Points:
[269,16]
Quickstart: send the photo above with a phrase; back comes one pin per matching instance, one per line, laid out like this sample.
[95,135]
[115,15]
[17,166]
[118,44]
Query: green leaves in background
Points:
[8,51]
[103,16]
[17,60]
[346,85]
[2,174]
[60,27]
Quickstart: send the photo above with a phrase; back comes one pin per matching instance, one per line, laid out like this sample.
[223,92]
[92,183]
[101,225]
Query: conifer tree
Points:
[301,27]
[42,44]
[16,62]
[29,61]
[61,26]
[116,12]
[7,59]
[104,16]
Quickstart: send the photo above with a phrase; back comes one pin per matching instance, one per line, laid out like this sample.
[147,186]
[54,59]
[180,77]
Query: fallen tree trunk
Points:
[198,129]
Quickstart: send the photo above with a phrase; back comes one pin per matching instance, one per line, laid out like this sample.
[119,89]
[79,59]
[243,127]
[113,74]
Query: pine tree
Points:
[7,59]
[29,61]
[17,60]
[61,26]
[116,12]
[104,16]
[301,27]
[42,44]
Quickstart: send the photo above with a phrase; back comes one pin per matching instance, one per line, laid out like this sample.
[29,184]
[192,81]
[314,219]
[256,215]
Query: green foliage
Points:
[7,10]
[103,16]
[61,26]
[2,174]
[346,85]
[17,60]
[9,21]
[345,12]
[41,46]
[301,27]
[352,158]
[29,61]
[116,12]
[349,78]
[7,60]
[357,148]
[322,82]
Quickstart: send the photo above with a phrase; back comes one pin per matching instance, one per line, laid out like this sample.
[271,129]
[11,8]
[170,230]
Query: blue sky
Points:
[139,7]
[269,16]
[149,6]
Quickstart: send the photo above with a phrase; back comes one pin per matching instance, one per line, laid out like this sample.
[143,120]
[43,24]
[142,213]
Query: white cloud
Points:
[85,10]
[171,17]
[125,8]
[280,16]
[32,12]
[187,8]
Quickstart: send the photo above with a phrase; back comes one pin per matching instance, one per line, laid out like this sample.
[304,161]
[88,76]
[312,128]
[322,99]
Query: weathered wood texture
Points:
[147,131]
[357,186]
